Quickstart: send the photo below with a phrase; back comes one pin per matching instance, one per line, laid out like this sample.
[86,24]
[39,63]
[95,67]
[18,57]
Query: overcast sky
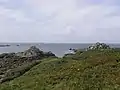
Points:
[58,21]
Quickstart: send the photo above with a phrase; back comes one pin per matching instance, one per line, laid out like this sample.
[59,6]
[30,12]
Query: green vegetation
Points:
[16,72]
[97,68]
[87,70]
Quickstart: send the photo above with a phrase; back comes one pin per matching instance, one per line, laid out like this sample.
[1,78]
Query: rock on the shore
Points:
[49,54]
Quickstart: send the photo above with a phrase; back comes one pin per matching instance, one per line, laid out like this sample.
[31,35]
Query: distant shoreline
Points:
[5,45]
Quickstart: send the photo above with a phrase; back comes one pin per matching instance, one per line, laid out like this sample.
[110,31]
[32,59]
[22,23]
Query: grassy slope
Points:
[90,71]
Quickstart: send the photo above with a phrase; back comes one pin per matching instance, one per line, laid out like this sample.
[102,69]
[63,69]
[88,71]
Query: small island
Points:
[5,45]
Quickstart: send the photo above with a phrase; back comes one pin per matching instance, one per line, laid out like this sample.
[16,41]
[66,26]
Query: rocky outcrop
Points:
[31,52]
[34,52]
[74,50]
[98,46]
[11,61]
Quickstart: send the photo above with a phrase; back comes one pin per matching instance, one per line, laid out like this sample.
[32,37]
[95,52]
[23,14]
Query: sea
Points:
[59,49]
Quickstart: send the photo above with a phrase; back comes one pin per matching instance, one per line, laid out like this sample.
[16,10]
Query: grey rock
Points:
[49,54]
[98,46]
[7,55]
[31,52]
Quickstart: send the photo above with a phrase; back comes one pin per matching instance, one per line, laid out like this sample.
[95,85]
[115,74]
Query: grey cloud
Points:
[60,21]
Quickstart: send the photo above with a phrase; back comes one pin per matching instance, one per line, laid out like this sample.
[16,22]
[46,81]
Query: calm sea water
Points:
[58,49]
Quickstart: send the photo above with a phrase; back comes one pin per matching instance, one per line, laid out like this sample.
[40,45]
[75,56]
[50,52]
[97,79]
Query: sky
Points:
[60,21]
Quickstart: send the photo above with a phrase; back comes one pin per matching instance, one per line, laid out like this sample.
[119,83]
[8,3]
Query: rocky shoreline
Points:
[14,64]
